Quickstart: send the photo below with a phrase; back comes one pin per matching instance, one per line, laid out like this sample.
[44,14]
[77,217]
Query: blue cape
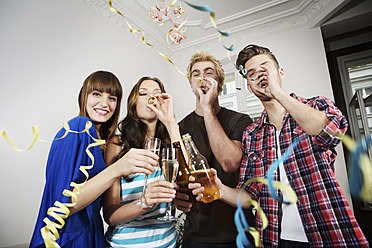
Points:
[82,229]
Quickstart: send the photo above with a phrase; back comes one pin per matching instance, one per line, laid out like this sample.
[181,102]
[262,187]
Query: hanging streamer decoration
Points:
[60,211]
[275,184]
[240,221]
[242,225]
[163,13]
[143,37]
[360,167]
[180,10]
[212,15]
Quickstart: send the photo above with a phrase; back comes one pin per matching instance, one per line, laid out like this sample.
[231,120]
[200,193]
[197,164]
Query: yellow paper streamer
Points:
[255,234]
[35,134]
[212,17]
[285,188]
[60,211]
[143,38]
[365,166]
[152,100]
[201,83]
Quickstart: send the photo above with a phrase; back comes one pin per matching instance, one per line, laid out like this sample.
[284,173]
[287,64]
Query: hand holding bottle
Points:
[200,171]
[182,201]
[198,189]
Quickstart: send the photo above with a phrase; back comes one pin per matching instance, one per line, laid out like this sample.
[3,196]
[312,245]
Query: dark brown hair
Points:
[250,51]
[132,129]
[102,81]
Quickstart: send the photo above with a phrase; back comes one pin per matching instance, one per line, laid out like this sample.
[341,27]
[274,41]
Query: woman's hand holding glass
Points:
[152,144]
[137,161]
[159,191]
[169,165]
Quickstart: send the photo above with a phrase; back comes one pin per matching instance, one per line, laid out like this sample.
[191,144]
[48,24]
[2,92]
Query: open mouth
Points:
[262,84]
[201,84]
[152,100]
[101,111]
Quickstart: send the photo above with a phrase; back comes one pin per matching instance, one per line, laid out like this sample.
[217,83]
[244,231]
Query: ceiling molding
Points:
[245,13]
[324,10]
[285,21]
[308,13]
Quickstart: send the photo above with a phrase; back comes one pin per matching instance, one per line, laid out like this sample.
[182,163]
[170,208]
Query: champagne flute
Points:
[169,166]
[152,144]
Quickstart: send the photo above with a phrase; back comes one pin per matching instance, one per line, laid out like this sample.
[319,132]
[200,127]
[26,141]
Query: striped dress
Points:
[145,230]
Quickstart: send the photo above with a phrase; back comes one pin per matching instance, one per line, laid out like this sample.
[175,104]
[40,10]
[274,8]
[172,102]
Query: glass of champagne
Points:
[152,144]
[169,166]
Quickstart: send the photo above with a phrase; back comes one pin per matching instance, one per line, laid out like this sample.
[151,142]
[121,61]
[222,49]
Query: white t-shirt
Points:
[291,226]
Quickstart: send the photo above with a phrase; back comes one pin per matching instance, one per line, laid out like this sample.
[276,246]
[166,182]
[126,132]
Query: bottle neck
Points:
[191,148]
[176,144]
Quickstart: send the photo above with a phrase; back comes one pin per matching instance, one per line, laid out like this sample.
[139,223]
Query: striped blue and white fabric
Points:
[145,230]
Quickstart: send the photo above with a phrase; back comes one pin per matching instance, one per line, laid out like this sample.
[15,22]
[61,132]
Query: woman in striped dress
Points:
[131,225]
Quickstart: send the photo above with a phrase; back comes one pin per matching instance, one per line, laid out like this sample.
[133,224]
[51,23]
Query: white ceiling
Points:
[235,16]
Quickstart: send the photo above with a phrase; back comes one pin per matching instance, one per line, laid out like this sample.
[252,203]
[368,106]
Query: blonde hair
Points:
[204,56]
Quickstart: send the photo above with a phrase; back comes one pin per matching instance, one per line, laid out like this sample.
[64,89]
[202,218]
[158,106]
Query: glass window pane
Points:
[361,79]
[227,97]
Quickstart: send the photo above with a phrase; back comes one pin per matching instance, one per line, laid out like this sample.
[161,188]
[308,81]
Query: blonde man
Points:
[217,133]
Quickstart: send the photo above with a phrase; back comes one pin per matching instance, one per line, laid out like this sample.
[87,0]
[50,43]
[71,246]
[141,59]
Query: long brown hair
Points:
[102,81]
[132,129]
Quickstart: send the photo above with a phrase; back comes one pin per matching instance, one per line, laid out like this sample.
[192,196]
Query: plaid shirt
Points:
[326,216]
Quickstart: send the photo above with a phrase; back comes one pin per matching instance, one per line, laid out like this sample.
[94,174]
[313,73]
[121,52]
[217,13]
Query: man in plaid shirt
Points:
[321,217]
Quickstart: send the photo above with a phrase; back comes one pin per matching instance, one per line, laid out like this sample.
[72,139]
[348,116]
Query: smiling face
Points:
[148,88]
[100,107]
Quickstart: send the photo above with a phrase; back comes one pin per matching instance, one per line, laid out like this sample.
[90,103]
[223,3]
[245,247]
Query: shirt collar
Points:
[264,119]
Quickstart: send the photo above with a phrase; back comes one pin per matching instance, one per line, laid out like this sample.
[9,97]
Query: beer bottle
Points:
[200,171]
[183,178]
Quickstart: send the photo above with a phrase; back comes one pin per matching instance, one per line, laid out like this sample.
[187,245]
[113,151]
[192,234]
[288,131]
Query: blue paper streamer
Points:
[241,223]
[272,169]
[356,174]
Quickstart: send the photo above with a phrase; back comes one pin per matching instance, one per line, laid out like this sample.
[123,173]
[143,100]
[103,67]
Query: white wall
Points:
[300,52]
[49,47]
